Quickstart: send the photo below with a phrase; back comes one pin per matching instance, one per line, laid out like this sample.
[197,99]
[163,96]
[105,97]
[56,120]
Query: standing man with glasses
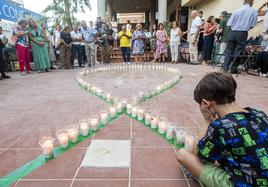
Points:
[241,21]
[89,35]
[76,46]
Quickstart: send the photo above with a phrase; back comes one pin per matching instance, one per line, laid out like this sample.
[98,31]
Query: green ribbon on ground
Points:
[27,168]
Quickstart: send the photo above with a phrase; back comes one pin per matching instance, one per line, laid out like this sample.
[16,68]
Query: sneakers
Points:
[263,74]
[23,73]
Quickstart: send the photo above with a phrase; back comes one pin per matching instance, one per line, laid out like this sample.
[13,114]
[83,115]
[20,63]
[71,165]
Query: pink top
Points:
[209,29]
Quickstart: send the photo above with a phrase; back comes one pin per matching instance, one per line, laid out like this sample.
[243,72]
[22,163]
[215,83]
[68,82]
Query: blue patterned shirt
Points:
[239,143]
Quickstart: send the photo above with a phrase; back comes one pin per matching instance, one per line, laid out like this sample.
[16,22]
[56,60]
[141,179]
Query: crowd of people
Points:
[209,41]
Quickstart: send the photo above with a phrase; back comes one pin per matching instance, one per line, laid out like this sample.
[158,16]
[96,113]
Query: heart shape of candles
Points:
[97,90]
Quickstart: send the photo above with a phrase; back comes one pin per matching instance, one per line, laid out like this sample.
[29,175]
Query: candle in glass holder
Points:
[112,111]
[84,127]
[124,102]
[162,124]
[129,108]
[140,113]
[104,117]
[63,138]
[119,107]
[158,88]
[94,122]
[189,141]
[154,122]
[180,136]
[93,89]
[134,112]
[73,133]
[99,91]
[170,131]
[46,144]
[108,97]
[147,118]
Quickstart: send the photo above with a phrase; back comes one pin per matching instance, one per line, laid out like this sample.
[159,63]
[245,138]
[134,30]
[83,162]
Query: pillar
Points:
[162,11]
[101,8]
[152,14]
[147,19]
[109,10]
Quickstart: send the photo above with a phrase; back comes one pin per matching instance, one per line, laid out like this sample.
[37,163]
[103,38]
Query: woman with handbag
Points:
[40,51]
[20,39]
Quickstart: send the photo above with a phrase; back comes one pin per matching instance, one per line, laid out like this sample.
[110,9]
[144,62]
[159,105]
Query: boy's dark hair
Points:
[218,87]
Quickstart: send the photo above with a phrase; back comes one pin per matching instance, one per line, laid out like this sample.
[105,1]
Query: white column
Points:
[101,8]
[109,10]
[162,11]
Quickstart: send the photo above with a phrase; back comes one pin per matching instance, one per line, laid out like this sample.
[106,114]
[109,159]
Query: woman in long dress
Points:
[40,52]
[138,39]
[161,45]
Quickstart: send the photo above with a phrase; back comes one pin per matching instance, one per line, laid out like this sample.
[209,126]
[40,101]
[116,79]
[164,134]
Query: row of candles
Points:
[85,126]
[125,67]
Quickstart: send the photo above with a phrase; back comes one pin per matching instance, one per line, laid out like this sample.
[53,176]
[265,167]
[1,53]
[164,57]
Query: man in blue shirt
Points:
[241,21]
[89,37]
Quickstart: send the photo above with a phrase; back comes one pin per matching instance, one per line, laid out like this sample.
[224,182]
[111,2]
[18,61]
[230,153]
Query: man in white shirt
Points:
[193,39]
[56,41]
[76,46]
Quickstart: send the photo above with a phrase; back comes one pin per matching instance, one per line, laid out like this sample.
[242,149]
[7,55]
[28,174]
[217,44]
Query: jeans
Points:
[235,44]
[76,49]
[126,53]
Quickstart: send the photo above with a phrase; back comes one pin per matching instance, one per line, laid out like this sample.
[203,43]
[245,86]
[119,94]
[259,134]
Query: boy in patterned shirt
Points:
[233,149]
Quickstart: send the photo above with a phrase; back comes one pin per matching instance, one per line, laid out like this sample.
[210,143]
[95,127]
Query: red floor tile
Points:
[103,173]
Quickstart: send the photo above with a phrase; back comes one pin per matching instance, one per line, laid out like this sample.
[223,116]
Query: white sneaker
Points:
[263,75]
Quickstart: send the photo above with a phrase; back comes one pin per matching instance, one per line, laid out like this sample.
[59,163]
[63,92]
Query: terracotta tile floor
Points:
[39,104]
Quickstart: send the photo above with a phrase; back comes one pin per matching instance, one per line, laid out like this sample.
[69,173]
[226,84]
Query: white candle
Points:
[112,111]
[119,107]
[162,124]
[63,138]
[73,133]
[140,112]
[180,136]
[170,131]
[108,97]
[104,117]
[189,141]
[154,122]
[158,88]
[129,108]
[84,127]
[94,122]
[47,145]
[147,118]
[134,112]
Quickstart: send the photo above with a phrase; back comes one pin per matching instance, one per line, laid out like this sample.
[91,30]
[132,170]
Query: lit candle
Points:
[189,141]
[170,131]
[84,127]
[129,108]
[158,88]
[124,102]
[112,111]
[154,122]
[140,112]
[147,118]
[180,136]
[104,117]
[94,122]
[46,144]
[63,138]
[73,133]
[134,112]
[119,107]
[162,124]
[108,97]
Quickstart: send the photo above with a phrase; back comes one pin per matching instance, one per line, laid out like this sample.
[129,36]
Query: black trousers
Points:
[76,49]
[83,54]
[262,62]
[126,53]
[208,46]
[2,61]
[235,44]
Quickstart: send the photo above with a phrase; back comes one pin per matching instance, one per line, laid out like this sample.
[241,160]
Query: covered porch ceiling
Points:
[132,6]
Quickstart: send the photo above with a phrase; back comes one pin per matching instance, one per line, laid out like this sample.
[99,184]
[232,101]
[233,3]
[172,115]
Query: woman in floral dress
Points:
[138,41]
